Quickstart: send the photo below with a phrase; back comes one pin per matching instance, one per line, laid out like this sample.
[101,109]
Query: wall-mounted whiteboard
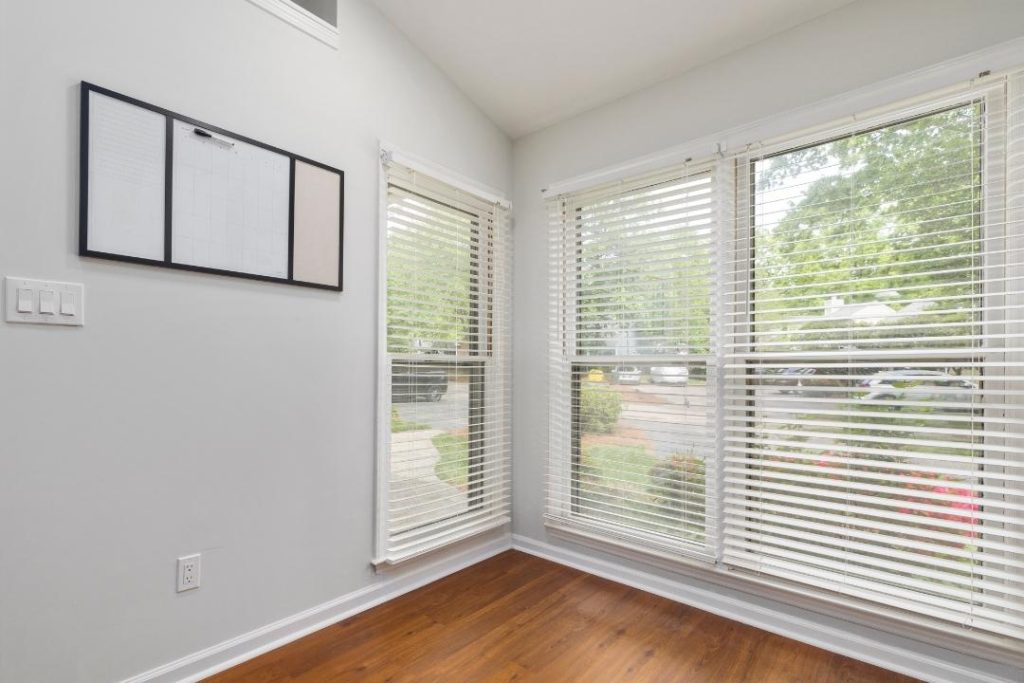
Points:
[163,189]
[126,179]
[229,204]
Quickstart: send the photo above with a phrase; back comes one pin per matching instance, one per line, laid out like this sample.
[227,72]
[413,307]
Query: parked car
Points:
[434,346]
[918,385]
[786,377]
[626,374]
[595,375]
[819,382]
[676,375]
[418,383]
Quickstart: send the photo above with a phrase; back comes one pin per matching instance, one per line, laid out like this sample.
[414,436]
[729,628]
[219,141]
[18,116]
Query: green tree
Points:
[644,273]
[891,216]
[432,272]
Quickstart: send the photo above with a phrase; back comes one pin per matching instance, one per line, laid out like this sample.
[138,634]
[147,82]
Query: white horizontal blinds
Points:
[448,287]
[633,379]
[875,377]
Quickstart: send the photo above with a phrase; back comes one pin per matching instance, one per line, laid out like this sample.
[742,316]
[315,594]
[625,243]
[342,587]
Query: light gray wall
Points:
[193,412]
[201,413]
[858,45]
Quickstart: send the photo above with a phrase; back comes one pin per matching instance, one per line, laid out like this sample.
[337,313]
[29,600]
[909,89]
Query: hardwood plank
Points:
[516,617]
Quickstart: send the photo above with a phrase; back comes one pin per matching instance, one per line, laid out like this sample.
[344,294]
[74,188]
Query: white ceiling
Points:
[531,63]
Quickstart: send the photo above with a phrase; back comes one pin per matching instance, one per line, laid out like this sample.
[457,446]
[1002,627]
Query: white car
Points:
[918,385]
[676,375]
[626,374]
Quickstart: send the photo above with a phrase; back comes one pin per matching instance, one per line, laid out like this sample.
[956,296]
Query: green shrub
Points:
[600,407]
[678,483]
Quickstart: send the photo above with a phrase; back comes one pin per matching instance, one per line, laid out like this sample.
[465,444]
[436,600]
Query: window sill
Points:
[301,19]
[933,632]
[458,534]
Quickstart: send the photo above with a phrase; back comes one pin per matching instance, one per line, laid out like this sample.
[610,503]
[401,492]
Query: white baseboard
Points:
[803,629]
[224,655]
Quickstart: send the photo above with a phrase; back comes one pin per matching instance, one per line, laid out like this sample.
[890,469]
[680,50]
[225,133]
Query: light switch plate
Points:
[13,286]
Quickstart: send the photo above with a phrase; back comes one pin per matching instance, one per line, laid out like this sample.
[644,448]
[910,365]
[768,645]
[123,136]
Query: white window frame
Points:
[302,19]
[995,99]
[389,154]
[561,499]
[921,92]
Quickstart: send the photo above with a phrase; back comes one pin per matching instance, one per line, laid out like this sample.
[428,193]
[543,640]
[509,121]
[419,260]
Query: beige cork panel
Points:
[317,246]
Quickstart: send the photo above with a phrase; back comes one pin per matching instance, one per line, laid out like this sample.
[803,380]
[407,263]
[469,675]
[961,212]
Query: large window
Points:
[634,356]
[869,448]
[445,438]
[805,364]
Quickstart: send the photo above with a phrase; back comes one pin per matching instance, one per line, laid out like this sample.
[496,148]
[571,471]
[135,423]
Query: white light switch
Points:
[47,301]
[21,296]
[25,299]
[67,303]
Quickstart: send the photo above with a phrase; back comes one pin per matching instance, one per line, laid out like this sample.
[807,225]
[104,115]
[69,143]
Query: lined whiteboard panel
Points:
[126,171]
[229,204]
[159,188]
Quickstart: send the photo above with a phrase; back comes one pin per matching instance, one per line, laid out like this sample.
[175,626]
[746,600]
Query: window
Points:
[446,434]
[635,371]
[873,432]
[805,365]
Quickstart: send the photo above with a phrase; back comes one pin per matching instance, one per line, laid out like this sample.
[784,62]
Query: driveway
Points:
[413,456]
[670,418]
[450,413]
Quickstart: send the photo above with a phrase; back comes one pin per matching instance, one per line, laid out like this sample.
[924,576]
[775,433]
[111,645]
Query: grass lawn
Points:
[453,465]
[400,425]
[617,483]
[630,464]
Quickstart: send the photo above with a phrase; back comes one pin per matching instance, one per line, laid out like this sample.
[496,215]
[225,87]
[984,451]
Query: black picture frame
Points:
[170,117]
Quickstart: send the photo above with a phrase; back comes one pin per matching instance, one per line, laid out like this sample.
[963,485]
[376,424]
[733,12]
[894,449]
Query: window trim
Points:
[562,506]
[825,123]
[480,359]
[302,19]
[993,97]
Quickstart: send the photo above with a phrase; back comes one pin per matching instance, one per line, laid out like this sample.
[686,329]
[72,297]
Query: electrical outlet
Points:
[188,572]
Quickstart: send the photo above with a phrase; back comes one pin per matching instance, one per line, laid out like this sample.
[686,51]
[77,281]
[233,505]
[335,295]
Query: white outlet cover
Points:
[188,572]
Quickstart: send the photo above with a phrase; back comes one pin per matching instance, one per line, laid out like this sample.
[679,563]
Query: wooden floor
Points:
[516,617]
